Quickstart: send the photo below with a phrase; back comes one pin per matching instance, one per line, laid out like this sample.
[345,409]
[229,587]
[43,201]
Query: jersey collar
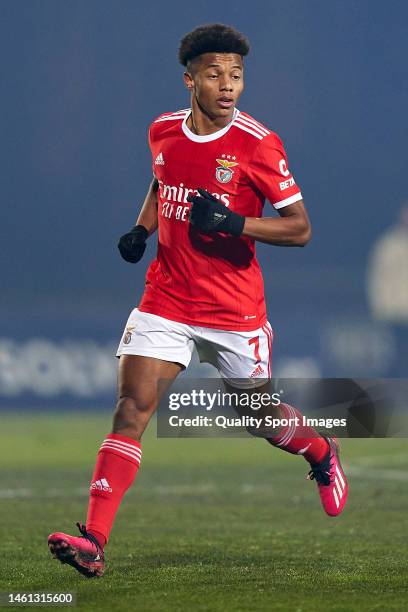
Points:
[207,137]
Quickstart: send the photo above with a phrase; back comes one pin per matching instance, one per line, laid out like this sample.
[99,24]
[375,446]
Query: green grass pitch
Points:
[210,524]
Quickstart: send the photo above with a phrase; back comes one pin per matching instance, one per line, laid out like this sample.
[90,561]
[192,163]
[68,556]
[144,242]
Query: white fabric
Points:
[229,351]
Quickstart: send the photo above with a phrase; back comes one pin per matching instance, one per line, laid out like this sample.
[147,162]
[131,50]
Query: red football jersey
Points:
[212,280]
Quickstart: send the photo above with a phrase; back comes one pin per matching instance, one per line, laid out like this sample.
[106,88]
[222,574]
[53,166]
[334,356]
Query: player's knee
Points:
[129,407]
[132,416]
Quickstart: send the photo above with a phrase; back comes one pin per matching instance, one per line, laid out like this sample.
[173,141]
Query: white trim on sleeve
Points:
[291,200]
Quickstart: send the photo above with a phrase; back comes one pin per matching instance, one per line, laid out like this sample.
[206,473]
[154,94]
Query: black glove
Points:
[209,215]
[133,244]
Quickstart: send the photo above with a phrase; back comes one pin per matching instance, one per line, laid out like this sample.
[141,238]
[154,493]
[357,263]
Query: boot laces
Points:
[321,471]
[89,536]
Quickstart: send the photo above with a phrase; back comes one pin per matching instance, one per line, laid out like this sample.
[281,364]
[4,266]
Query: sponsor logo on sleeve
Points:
[283,168]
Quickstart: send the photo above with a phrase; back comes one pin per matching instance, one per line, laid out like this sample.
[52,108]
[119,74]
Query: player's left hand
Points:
[208,215]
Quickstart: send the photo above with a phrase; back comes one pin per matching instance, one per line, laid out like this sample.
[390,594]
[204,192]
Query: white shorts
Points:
[243,359]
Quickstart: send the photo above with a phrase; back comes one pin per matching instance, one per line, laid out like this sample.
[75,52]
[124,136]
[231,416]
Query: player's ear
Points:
[188,80]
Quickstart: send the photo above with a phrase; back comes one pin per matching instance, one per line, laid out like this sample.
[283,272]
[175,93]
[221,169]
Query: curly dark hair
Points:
[212,38]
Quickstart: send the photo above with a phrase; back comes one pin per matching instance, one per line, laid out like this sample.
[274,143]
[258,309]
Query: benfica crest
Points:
[224,172]
[128,334]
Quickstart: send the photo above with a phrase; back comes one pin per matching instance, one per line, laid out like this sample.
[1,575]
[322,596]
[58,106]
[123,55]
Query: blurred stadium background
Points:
[81,81]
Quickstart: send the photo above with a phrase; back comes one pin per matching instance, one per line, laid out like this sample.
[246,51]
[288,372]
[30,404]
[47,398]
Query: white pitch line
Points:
[13,493]
[41,493]
[182,489]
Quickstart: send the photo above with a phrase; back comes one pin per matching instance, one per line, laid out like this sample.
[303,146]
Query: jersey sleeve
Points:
[268,171]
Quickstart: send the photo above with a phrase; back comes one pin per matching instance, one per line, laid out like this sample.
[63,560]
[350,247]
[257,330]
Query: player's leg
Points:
[141,383]
[321,452]
[291,436]
[142,379]
[244,362]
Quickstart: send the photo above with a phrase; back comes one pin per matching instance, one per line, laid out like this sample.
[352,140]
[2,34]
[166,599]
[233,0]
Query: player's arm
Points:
[292,228]
[148,213]
[132,245]
[268,172]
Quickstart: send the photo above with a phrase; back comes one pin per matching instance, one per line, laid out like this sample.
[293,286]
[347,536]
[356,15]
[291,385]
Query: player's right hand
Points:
[133,244]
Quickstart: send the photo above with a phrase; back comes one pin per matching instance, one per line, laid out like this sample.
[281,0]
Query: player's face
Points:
[217,82]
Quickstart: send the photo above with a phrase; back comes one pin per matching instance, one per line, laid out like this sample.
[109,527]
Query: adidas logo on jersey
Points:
[101,485]
[159,159]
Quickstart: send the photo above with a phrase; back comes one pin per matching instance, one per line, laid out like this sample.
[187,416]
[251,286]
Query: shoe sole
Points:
[65,553]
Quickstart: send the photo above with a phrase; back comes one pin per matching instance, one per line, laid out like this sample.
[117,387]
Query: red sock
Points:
[116,466]
[299,439]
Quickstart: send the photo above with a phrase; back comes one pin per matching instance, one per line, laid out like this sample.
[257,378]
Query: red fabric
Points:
[212,280]
[297,438]
[116,466]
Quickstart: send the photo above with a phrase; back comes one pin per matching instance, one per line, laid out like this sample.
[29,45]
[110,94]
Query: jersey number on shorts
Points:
[255,342]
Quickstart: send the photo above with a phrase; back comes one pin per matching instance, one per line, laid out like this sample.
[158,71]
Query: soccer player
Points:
[213,168]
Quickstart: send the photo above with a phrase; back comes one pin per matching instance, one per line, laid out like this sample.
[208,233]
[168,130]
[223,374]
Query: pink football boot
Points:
[83,552]
[331,480]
